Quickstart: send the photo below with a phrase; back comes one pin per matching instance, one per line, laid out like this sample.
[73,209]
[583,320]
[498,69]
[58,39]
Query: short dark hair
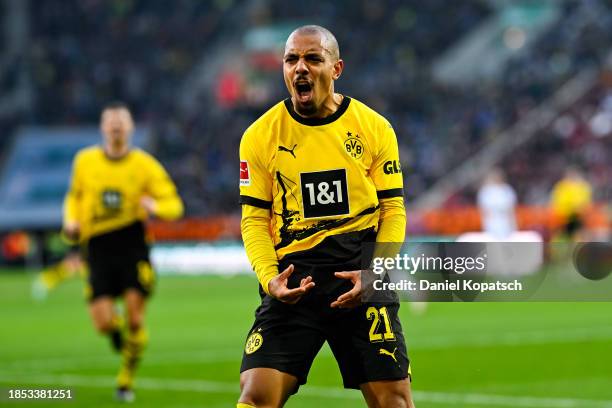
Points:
[116,105]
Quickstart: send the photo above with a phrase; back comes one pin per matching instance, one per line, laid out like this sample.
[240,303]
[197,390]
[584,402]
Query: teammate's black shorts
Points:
[573,224]
[367,341]
[119,260]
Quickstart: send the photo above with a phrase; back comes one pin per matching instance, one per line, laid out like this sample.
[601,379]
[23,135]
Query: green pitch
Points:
[482,355]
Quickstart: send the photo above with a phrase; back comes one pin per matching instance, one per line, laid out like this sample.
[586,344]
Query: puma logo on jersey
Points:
[384,352]
[286,149]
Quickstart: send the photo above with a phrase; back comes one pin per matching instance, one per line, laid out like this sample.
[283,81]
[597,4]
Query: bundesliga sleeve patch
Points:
[245,179]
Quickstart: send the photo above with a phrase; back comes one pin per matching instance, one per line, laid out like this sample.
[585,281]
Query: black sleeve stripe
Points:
[394,192]
[255,202]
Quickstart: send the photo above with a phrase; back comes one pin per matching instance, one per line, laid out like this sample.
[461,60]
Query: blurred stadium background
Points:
[525,86]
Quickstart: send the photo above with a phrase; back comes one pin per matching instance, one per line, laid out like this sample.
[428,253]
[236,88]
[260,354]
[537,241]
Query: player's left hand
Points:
[351,298]
[148,203]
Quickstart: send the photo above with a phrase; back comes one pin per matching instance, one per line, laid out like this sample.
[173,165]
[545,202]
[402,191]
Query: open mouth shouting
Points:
[303,91]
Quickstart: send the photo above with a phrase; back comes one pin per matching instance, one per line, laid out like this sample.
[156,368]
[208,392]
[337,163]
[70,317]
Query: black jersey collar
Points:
[318,121]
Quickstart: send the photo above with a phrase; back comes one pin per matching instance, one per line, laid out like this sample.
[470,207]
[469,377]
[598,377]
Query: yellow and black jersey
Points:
[104,194]
[320,178]
[571,197]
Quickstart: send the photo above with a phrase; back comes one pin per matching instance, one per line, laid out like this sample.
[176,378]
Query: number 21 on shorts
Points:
[377,333]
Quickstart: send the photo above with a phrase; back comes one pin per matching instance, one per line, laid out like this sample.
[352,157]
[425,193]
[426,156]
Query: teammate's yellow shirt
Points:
[570,197]
[104,193]
[319,177]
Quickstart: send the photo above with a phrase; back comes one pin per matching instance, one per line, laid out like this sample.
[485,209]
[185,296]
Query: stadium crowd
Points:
[84,53]
[584,134]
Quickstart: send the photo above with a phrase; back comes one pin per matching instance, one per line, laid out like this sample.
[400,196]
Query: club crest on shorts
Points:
[245,178]
[253,343]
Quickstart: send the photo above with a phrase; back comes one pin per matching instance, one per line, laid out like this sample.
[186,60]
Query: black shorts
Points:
[119,260]
[367,341]
[573,224]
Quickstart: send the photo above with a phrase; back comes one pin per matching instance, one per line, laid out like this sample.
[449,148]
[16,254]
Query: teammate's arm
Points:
[71,222]
[163,202]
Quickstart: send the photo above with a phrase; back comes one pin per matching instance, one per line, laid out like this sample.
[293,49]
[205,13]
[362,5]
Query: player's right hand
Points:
[72,230]
[277,287]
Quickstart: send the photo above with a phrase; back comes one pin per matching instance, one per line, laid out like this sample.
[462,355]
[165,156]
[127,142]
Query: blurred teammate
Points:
[319,176]
[570,198]
[114,188]
[496,202]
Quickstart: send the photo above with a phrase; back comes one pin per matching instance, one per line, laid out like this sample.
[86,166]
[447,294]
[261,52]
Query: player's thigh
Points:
[388,394]
[135,305]
[283,337]
[369,345]
[266,387]
[101,311]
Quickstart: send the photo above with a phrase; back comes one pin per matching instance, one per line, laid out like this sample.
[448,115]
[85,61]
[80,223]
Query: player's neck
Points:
[116,152]
[328,108]
[332,104]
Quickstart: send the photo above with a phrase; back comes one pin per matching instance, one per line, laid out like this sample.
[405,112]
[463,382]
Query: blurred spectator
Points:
[497,201]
